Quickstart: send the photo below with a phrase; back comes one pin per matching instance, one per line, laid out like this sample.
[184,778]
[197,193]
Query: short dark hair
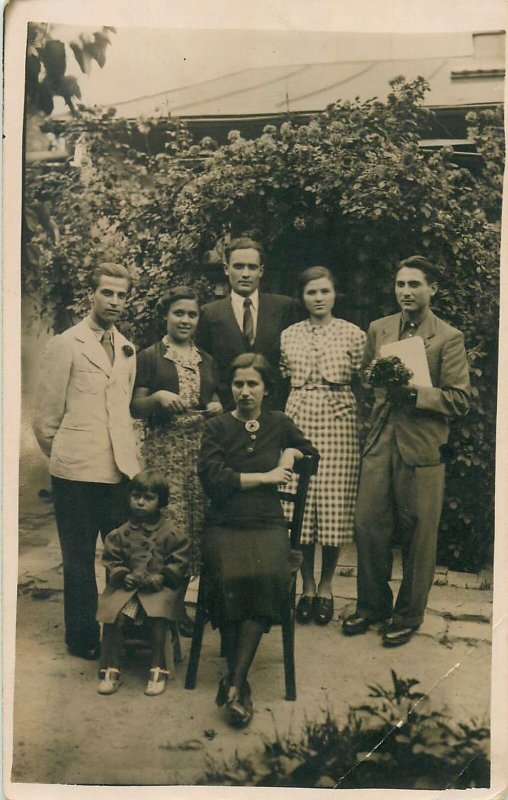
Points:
[257,362]
[109,270]
[244,243]
[432,272]
[314,274]
[148,480]
[173,295]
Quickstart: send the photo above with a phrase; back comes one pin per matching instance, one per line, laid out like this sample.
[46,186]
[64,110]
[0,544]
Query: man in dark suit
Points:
[402,472]
[247,320]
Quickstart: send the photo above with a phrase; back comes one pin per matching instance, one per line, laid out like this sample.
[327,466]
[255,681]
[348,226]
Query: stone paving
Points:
[60,721]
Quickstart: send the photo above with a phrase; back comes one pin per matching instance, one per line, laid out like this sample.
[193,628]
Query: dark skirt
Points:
[247,573]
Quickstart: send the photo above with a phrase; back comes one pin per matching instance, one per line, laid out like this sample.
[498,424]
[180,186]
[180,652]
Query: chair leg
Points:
[197,640]
[169,651]
[175,638]
[288,642]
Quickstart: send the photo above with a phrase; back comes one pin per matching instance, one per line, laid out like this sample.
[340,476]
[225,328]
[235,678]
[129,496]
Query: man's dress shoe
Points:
[89,653]
[356,624]
[395,635]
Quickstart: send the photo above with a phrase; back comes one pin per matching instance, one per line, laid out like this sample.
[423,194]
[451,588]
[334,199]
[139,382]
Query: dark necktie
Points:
[108,345]
[248,321]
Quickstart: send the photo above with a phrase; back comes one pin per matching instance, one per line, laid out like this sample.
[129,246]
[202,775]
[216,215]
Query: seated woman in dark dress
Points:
[244,455]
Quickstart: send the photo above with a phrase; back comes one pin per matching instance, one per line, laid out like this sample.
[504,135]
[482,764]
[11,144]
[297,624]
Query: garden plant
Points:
[351,189]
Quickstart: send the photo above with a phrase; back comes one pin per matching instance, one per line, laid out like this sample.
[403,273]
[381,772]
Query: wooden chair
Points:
[137,637]
[305,467]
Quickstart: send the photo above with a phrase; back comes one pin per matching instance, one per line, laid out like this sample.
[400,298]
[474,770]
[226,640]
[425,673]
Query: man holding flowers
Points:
[403,465]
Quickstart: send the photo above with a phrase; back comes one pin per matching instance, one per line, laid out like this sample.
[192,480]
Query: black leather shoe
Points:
[323,610]
[356,624]
[222,691]
[395,635]
[90,653]
[239,708]
[305,609]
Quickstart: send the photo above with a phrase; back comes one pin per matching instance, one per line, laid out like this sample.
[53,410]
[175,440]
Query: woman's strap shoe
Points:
[157,679]
[109,681]
[305,609]
[323,610]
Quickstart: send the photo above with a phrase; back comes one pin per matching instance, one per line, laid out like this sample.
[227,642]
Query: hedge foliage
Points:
[351,189]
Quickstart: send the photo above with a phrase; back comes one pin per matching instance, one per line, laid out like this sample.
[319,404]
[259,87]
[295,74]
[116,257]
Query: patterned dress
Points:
[321,361]
[172,447]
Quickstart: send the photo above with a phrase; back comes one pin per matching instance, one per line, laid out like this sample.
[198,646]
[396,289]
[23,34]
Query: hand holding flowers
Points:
[391,373]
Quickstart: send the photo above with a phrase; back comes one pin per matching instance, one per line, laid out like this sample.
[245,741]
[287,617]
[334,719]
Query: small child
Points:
[146,564]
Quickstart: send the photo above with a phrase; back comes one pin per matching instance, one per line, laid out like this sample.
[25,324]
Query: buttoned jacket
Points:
[339,359]
[422,430]
[219,334]
[147,549]
[82,419]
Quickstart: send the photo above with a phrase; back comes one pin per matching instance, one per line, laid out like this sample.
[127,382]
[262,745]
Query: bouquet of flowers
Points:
[388,372]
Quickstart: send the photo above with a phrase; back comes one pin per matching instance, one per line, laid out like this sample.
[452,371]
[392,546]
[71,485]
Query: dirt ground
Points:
[65,732]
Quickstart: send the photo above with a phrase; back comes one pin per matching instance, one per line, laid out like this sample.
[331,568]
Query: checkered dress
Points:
[325,410]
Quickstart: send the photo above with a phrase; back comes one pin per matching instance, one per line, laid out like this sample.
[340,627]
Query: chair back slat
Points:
[306,467]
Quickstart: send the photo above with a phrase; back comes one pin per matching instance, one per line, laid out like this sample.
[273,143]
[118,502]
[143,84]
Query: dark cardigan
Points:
[154,372]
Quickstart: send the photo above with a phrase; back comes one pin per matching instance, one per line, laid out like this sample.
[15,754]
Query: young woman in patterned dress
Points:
[175,390]
[321,356]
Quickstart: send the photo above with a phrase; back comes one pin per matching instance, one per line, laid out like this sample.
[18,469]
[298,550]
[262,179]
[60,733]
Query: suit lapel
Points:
[428,328]
[390,330]
[92,348]
[264,327]
[118,340]
[232,324]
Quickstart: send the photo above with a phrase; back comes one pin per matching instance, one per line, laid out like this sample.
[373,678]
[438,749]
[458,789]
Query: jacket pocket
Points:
[88,381]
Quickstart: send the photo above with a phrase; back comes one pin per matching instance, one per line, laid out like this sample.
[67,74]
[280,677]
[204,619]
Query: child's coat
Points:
[140,547]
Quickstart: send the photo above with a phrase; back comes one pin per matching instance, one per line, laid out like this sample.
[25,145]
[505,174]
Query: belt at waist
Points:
[327,387]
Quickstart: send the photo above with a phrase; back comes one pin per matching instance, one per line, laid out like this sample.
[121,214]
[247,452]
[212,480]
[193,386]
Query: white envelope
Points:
[412,354]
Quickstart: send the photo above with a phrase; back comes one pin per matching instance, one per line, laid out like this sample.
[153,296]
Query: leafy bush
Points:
[393,742]
[351,189]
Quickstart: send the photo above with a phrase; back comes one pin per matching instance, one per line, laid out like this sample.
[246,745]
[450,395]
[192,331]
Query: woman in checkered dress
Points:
[321,356]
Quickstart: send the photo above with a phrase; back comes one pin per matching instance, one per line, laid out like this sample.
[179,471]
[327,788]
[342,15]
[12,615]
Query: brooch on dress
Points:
[252,425]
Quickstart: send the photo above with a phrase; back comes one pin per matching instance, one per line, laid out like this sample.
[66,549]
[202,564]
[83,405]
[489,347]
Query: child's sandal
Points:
[109,681]
[157,679]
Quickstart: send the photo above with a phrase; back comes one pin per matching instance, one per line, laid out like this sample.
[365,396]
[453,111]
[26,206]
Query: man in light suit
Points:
[402,471]
[82,422]
[246,321]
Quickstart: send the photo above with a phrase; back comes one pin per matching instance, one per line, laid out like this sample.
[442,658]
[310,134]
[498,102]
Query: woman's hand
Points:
[169,401]
[213,408]
[154,583]
[130,582]
[289,456]
[278,475]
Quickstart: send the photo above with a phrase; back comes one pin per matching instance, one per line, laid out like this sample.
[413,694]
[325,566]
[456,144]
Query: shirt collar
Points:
[406,322]
[146,526]
[238,300]
[98,331]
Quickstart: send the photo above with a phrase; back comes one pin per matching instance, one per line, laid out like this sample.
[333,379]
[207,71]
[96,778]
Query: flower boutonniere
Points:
[128,350]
